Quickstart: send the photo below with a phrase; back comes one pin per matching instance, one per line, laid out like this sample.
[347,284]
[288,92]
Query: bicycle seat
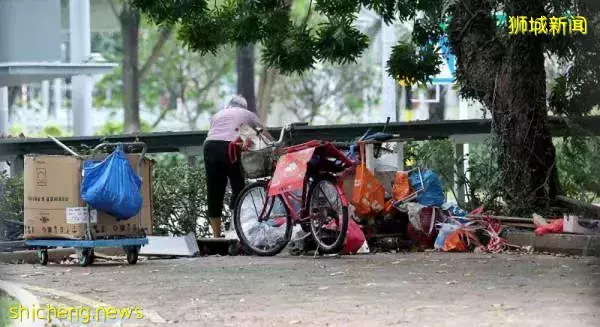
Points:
[379,136]
[299,124]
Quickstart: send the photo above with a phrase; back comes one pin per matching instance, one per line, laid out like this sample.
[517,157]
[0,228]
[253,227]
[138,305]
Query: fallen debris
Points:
[185,246]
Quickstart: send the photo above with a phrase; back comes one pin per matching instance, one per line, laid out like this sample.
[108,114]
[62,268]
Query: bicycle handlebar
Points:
[284,129]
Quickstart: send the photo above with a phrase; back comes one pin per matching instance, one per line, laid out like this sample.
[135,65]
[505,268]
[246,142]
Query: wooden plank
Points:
[580,207]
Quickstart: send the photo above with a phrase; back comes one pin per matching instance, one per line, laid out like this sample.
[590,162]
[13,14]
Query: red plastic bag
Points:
[555,226]
[477,211]
[424,238]
[355,238]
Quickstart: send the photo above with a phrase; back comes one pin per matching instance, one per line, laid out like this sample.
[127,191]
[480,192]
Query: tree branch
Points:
[210,82]
[115,11]
[308,14]
[156,50]
[161,117]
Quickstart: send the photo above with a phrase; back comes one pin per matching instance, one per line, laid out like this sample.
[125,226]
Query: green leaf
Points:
[339,42]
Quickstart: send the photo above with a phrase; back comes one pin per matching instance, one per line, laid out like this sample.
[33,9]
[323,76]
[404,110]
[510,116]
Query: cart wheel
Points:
[132,254]
[233,249]
[85,256]
[42,257]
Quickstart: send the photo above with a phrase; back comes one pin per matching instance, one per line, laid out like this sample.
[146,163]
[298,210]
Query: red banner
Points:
[290,171]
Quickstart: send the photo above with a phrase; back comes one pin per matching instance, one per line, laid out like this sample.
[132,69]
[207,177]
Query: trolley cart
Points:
[85,248]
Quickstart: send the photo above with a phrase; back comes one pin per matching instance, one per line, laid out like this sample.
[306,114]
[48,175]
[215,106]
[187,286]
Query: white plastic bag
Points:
[364,249]
[249,136]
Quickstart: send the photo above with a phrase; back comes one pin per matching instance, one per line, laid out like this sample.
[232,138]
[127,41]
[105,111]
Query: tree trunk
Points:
[245,75]
[130,26]
[509,78]
[520,116]
[13,91]
[265,92]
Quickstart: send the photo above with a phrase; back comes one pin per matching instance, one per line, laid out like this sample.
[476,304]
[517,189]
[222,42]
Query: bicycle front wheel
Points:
[328,215]
[263,224]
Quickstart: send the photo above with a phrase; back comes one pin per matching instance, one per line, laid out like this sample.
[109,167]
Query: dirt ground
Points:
[416,289]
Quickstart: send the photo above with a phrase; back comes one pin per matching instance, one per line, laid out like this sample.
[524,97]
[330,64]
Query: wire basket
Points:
[257,164]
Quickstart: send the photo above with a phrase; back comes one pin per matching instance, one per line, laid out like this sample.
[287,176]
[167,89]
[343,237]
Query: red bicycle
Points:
[293,185]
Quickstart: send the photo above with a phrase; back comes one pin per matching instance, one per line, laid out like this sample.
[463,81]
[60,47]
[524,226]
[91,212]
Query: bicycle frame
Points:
[292,200]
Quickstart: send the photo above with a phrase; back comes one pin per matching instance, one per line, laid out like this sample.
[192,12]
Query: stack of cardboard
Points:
[54,209]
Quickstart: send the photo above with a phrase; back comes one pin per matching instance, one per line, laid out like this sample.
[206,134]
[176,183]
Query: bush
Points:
[180,198]
[439,156]
[578,160]
[11,197]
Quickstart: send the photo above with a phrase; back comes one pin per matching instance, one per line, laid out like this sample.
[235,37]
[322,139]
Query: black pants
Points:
[218,169]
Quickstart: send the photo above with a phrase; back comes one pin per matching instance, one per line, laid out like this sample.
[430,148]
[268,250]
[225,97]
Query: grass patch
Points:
[6,302]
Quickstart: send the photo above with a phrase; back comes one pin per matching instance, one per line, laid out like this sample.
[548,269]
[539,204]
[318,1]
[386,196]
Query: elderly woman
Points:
[218,164]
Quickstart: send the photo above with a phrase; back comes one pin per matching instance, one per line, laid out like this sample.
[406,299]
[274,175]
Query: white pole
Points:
[388,84]
[4,110]
[80,50]
[46,96]
[464,114]
[3,120]
[56,96]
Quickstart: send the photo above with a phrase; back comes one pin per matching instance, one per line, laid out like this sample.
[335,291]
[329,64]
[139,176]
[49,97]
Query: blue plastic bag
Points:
[112,186]
[457,212]
[433,195]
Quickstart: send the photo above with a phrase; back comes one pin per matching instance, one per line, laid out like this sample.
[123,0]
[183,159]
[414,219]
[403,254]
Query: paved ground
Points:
[418,289]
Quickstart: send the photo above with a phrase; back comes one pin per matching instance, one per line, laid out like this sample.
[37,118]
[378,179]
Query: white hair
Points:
[238,101]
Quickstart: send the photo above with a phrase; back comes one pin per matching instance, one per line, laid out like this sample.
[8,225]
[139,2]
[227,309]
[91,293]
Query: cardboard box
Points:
[54,209]
[571,225]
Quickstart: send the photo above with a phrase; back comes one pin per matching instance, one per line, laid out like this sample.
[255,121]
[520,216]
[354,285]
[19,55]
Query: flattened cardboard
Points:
[52,185]
[52,224]
[51,182]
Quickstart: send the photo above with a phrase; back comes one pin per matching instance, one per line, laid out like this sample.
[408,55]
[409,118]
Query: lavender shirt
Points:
[224,123]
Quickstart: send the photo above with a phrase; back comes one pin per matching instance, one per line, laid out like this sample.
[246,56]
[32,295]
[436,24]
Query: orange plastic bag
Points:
[368,194]
[401,189]
[454,243]
[460,241]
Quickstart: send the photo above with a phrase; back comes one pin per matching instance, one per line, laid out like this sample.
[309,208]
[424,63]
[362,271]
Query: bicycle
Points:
[300,187]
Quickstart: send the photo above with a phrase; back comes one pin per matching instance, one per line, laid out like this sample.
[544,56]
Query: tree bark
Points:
[509,78]
[520,116]
[245,75]
[130,26]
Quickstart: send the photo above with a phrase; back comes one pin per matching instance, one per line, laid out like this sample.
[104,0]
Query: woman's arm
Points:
[255,122]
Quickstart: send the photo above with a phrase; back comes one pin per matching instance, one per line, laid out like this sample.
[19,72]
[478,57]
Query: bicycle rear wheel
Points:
[328,215]
[267,236]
